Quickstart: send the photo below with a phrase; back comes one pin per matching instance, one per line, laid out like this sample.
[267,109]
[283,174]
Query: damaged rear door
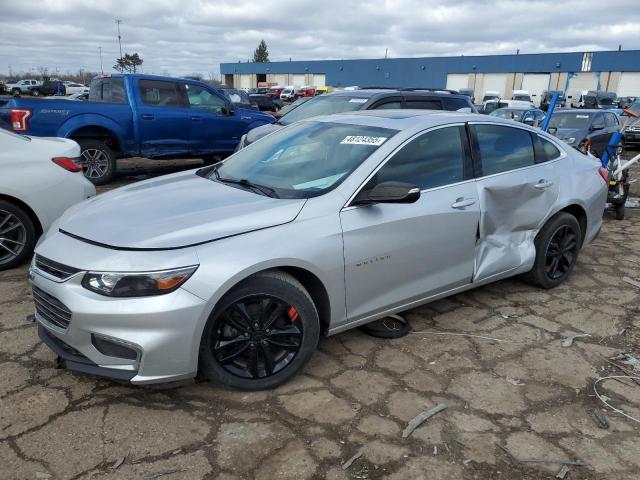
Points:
[516,195]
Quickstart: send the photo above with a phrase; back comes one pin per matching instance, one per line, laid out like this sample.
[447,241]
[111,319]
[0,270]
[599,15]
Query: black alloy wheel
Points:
[261,333]
[561,252]
[257,337]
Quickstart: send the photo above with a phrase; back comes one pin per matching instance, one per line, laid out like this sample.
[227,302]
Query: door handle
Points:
[147,116]
[463,202]
[196,119]
[543,184]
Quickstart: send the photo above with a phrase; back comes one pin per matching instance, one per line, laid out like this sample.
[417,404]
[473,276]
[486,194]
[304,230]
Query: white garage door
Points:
[456,81]
[496,82]
[535,83]
[629,85]
[280,79]
[298,80]
[318,80]
[245,81]
[580,82]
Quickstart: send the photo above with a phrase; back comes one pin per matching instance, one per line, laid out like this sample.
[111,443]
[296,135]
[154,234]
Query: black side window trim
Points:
[383,101]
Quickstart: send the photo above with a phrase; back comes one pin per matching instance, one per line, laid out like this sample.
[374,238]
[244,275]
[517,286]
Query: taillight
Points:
[68,164]
[19,119]
[604,173]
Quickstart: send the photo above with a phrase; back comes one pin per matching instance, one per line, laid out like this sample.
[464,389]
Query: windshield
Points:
[304,160]
[569,120]
[508,113]
[237,96]
[323,105]
[489,97]
[526,98]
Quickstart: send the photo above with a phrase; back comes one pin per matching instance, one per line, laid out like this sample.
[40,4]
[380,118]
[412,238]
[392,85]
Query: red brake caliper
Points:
[293,314]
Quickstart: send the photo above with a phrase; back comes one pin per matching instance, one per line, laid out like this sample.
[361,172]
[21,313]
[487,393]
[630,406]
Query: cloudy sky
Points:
[180,37]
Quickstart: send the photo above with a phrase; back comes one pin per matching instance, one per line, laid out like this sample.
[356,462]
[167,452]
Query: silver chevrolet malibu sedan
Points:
[235,270]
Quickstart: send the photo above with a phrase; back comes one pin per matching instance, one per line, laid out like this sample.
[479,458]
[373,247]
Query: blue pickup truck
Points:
[137,115]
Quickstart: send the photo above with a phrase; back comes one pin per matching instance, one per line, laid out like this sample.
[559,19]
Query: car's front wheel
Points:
[557,246]
[17,235]
[261,333]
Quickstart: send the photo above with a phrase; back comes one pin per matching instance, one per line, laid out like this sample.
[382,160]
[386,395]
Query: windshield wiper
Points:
[264,190]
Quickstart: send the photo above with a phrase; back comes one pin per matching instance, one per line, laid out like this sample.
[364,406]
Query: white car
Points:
[76,88]
[522,95]
[39,179]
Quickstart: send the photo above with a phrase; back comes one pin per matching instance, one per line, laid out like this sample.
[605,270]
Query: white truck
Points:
[22,86]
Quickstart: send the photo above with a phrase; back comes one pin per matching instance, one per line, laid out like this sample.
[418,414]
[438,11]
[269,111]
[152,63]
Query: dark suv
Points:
[365,99]
[49,88]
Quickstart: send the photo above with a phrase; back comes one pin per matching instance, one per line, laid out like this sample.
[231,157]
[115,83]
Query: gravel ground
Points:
[358,393]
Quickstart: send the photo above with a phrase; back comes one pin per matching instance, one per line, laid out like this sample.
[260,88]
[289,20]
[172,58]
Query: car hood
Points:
[174,211]
[259,132]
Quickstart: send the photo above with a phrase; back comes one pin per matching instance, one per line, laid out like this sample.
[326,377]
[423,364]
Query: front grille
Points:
[55,269]
[50,309]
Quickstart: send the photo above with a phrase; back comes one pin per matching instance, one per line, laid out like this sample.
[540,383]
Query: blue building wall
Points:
[432,71]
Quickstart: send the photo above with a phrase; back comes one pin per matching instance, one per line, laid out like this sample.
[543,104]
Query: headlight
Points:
[570,140]
[136,284]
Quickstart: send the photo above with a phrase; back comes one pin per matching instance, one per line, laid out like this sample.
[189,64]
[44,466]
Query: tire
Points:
[16,92]
[35,92]
[619,207]
[542,273]
[294,311]
[98,161]
[15,227]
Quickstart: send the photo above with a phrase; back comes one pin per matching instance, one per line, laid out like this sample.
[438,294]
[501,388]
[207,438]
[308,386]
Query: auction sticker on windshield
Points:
[363,140]
[358,100]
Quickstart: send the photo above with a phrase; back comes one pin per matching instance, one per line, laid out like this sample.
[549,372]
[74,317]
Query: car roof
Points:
[580,110]
[406,119]
[382,92]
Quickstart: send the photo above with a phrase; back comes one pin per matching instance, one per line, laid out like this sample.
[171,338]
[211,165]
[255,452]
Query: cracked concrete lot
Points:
[358,393]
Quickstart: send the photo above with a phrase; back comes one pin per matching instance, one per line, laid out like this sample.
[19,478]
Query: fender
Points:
[257,123]
[123,134]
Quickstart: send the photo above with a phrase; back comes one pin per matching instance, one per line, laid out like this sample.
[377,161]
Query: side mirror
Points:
[228,109]
[389,192]
[529,121]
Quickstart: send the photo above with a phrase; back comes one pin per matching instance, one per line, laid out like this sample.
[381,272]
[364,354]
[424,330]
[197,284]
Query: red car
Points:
[305,92]
[274,92]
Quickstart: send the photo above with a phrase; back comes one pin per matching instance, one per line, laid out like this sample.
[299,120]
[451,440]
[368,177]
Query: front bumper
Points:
[164,330]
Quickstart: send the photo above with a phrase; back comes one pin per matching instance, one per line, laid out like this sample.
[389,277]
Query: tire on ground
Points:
[283,286]
[30,239]
[537,275]
[95,144]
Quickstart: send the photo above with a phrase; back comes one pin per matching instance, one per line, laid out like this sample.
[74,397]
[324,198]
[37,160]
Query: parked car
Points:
[169,118]
[20,87]
[363,99]
[259,90]
[264,103]
[525,115]
[286,108]
[493,104]
[83,97]
[73,87]
[522,95]
[625,102]
[585,129]
[39,179]
[49,87]
[546,97]
[391,216]
[323,89]
[3,89]
[632,129]
[288,94]
[491,95]
[594,99]
[274,92]
[305,92]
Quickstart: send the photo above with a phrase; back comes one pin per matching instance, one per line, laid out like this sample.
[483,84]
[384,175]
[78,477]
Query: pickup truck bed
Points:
[136,115]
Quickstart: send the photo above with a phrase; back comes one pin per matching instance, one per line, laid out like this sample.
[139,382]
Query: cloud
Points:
[182,37]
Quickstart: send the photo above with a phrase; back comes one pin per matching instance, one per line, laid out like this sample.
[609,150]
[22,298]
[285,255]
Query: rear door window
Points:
[424,104]
[159,94]
[503,148]
[453,103]
[108,90]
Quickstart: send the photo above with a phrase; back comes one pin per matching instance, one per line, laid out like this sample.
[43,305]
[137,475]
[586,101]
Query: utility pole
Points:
[386,50]
[118,22]
[100,51]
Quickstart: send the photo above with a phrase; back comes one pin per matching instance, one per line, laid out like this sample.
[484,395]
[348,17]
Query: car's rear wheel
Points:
[17,235]
[35,92]
[98,161]
[261,333]
[557,246]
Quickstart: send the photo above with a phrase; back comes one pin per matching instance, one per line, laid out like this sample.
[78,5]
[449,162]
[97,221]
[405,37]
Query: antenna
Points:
[118,22]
